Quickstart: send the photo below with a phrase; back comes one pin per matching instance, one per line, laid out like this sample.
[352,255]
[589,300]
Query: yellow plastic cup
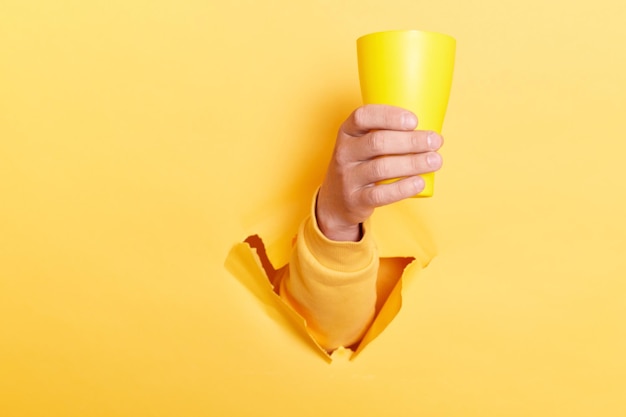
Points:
[410,69]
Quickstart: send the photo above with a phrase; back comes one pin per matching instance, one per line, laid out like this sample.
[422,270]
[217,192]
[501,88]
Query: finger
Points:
[383,194]
[377,117]
[389,167]
[391,142]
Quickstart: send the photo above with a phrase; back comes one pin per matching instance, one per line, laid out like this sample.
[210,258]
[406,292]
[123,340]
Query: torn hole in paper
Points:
[249,263]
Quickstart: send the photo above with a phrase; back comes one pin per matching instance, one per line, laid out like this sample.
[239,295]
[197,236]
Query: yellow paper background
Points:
[140,140]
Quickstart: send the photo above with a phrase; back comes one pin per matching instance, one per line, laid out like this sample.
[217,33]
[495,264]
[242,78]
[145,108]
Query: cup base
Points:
[429,185]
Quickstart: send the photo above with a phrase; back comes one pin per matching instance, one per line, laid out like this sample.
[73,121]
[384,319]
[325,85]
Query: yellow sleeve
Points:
[332,284]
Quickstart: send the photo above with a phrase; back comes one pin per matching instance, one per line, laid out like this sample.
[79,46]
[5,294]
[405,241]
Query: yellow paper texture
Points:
[141,141]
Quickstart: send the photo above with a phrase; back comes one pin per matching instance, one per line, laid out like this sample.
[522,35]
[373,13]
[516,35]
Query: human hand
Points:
[377,142]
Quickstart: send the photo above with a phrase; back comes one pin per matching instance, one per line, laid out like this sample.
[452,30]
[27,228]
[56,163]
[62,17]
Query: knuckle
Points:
[389,116]
[417,141]
[342,154]
[376,197]
[360,116]
[417,163]
[405,189]
[379,168]
[376,143]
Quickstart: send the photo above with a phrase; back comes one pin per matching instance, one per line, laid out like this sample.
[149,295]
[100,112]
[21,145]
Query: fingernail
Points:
[433,160]
[434,141]
[419,184]
[409,121]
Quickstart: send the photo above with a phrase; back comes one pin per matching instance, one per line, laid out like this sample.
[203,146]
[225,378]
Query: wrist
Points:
[346,234]
[335,229]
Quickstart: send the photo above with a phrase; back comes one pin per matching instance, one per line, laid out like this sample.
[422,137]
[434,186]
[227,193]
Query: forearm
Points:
[332,285]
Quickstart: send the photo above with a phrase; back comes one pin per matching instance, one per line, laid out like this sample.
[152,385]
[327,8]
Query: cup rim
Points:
[409,31]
